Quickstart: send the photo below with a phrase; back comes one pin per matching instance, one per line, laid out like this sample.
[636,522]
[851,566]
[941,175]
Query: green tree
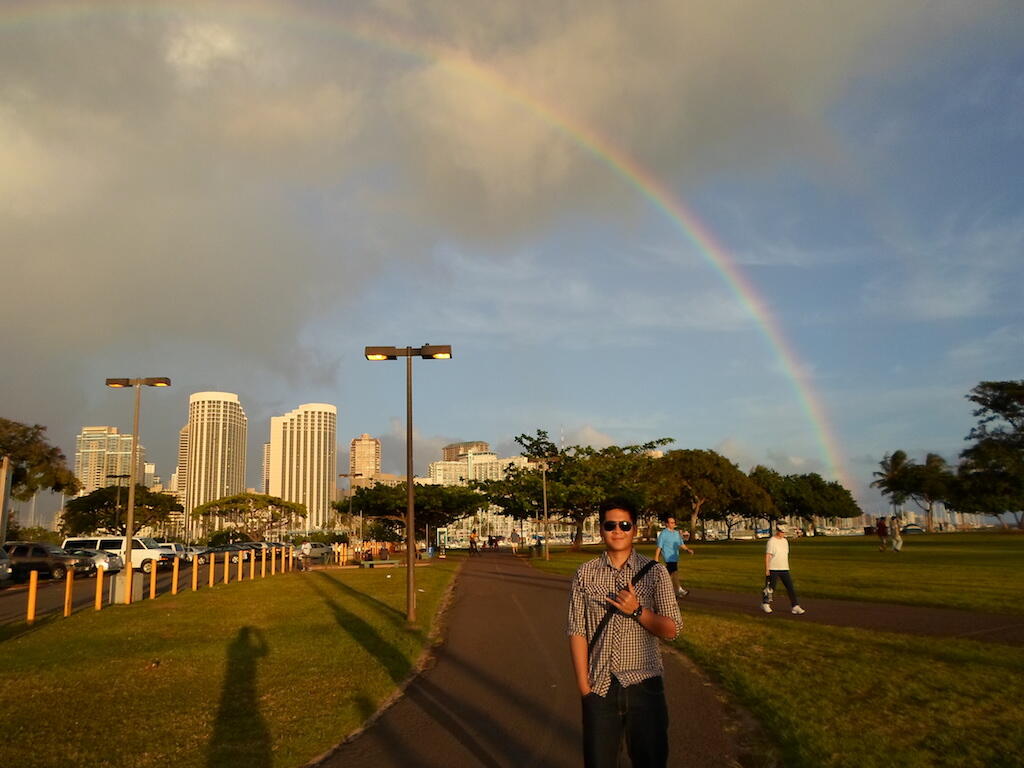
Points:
[36,465]
[702,482]
[98,512]
[254,515]
[579,478]
[928,484]
[437,506]
[990,479]
[892,477]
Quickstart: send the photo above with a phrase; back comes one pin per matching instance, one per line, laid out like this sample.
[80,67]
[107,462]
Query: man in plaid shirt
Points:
[618,666]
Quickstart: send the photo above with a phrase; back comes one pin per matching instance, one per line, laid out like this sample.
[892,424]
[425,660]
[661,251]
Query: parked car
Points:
[194,552]
[6,571]
[179,549]
[236,552]
[146,552]
[105,561]
[912,528]
[46,558]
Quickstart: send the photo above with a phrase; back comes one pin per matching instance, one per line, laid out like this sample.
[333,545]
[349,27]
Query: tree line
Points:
[989,478]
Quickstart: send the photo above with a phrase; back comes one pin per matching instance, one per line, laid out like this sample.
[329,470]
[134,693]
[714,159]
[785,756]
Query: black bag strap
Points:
[611,611]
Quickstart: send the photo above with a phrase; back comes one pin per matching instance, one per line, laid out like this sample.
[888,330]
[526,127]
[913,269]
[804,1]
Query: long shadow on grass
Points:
[392,659]
[240,735]
[392,613]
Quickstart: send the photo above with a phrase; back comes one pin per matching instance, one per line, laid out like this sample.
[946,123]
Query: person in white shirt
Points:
[776,567]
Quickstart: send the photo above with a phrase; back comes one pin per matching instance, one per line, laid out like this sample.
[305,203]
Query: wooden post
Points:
[195,573]
[99,588]
[174,576]
[69,589]
[33,586]
[273,561]
[213,566]
[130,581]
[240,562]
[152,581]
[263,565]
[291,558]
[227,567]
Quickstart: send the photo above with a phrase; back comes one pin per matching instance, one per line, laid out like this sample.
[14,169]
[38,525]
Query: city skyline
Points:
[788,234]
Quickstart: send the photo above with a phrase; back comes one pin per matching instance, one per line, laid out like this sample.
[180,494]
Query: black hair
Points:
[624,502]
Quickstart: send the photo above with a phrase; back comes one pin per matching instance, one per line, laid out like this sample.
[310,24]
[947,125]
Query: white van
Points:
[145,551]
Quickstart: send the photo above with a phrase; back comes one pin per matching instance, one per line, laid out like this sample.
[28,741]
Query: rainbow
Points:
[586,137]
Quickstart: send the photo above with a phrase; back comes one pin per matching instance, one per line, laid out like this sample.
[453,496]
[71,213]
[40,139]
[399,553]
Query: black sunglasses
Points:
[624,525]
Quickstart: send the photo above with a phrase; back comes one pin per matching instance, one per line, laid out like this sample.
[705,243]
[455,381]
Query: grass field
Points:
[841,697]
[135,685]
[972,571]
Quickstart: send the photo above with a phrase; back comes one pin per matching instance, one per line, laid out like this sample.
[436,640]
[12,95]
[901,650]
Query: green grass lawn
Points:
[265,673]
[972,571]
[836,697]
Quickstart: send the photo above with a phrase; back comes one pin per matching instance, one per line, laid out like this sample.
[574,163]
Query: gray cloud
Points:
[193,188]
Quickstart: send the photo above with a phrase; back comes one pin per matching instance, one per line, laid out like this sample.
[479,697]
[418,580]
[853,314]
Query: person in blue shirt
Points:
[670,541]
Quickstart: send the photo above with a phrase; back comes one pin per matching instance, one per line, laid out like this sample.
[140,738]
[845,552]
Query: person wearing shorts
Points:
[670,541]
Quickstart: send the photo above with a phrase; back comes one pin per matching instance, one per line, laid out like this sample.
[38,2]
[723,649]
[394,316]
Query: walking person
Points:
[670,541]
[882,532]
[895,535]
[473,548]
[776,566]
[620,604]
[514,540]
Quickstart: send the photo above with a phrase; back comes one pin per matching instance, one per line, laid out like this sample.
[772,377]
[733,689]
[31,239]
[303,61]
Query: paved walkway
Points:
[501,692]
[886,617]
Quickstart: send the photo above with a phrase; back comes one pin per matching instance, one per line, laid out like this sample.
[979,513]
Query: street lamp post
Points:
[427,352]
[117,504]
[129,528]
[544,494]
[351,478]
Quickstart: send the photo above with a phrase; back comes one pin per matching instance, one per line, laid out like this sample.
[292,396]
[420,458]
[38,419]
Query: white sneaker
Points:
[682,592]
[798,610]
[766,608]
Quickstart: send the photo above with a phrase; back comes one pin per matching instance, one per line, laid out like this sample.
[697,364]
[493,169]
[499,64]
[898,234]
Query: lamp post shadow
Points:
[240,735]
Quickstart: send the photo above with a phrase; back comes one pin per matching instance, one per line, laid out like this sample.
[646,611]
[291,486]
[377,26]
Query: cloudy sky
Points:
[241,196]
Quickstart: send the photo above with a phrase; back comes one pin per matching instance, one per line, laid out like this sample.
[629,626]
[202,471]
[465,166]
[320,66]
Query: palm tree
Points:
[893,478]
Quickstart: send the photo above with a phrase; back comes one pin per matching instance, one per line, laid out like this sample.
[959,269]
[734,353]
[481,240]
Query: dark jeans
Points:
[636,712]
[787,581]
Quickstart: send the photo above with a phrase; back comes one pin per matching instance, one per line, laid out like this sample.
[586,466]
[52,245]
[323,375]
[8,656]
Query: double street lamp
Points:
[129,528]
[427,352]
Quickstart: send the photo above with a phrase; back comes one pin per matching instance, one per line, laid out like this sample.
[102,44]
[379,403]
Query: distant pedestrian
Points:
[474,548]
[514,540]
[620,604]
[882,532]
[305,552]
[669,543]
[895,535]
[776,567]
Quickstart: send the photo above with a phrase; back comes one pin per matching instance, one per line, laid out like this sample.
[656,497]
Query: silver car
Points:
[105,561]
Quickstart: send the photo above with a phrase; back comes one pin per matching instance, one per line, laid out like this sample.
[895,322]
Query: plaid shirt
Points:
[625,649]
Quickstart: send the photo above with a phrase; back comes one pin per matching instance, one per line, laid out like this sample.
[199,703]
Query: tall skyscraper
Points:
[304,459]
[363,458]
[101,452]
[265,477]
[215,463]
[179,480]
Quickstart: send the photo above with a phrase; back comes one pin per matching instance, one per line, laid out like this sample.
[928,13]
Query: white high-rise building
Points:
[215,463]
[101,453]
[473,465]
[303,464]
[265,477]
[363,459]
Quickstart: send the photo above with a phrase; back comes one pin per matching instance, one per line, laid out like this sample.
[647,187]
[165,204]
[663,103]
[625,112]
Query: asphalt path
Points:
[885,617]
[500,690]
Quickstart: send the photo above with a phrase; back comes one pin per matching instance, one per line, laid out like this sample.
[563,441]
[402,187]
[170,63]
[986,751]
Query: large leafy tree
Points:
[36,465]
[253,514]
[437,506]
[991,473]
[703,483]
[100,512]
[578,479]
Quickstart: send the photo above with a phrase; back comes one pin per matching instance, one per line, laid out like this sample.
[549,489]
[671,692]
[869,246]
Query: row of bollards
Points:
[285,556]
